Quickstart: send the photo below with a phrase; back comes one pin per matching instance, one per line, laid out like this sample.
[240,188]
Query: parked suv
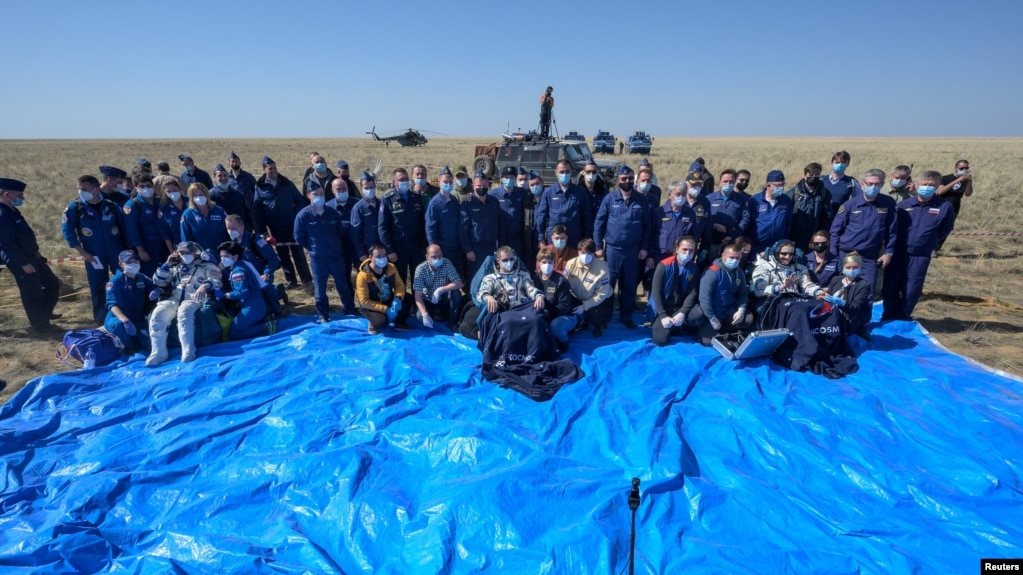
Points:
[604,142]
[533,152]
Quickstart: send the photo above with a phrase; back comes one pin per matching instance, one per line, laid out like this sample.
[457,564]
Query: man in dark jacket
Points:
[675,293]
[811,210]
[276,202]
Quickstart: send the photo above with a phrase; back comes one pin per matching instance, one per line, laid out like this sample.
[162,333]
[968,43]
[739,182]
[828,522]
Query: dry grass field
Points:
[972,301]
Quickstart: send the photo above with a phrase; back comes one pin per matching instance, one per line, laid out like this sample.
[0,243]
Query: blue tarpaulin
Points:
[322,449]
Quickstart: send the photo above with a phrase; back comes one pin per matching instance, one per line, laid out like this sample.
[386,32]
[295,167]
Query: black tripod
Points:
[633,505]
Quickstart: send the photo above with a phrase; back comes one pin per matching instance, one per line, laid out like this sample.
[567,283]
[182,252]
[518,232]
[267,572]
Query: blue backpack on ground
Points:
[105,347]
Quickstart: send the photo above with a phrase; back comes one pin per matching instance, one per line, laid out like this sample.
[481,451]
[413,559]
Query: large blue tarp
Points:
[323,449]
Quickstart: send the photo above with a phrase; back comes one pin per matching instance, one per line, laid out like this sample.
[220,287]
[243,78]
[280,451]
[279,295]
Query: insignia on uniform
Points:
[841,208]
[934,211]
[857,211]
[126,209]
[555,197]
[63,218]
[552,289]
[87,232]
[665,219]
[685,220]
[114,231]
[238,276]
[882,211]
[110,286]
[699,210]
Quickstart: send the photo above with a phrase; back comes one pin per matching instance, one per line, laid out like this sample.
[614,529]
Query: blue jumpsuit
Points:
[170,219]
[274,208]
[480,229]
[347,238]
[513,227]
[868,228]
[570,207]
[622,229]
[97,229]
[143,227]
[208,231]
[443,225]
[365,233]
[200,176]
[690,220]
[401,227]
[320,233]
[731,211]
[768,223]
[921,229]
[233,201]
[250,320]
[130,295]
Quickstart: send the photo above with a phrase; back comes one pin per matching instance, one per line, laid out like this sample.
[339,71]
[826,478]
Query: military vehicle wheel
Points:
[485,163]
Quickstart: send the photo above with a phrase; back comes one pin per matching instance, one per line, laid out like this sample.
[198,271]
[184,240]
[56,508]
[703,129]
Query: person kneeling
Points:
[557,297]
[437,289]
[247,305]
[590,281]
[675,292]
[723,296]
[128,292]
[379,289]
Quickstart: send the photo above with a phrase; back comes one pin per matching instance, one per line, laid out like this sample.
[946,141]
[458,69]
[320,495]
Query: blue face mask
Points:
[897,183]
[321,167]
[508,183]
[851,274]
[18,202]
[420,182]
[403,187]
[318,201]
[730,263]
[678,201]
[564,179]
[342,197]
[871,191]
[447,188]
[560,244]
[925,192]
[727,189]
[838,168]
[536,190]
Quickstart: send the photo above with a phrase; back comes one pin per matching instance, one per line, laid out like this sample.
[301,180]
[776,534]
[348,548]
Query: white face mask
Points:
[370,192]
[132,269]
[174,196]
[187,258]
[586,259]
[146,192]
[235,234]
[199,200]
[507,266]
[684,258]
[547,269]
[227,262]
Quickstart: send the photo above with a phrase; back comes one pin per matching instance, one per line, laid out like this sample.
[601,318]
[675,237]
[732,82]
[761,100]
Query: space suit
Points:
[190,280]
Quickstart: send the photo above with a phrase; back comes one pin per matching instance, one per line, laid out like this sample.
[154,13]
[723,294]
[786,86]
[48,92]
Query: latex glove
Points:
[579,310]
[738,316]
[427,321]
[129,328]
[715,323]
[437,293]
[678,320]
[154,295]
[834,299]
[666,322]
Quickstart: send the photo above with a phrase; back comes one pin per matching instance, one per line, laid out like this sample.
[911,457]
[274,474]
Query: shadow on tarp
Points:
[322,448]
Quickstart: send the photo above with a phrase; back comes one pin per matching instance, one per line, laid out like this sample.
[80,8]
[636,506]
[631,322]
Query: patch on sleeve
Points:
[841,208]
[126,209]
[237,276]
[261,242]
[110,286]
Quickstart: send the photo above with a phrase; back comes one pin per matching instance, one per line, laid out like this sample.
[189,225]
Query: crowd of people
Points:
[578,248]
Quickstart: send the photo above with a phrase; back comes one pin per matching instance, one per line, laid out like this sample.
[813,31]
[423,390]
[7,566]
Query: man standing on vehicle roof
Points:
[546,112]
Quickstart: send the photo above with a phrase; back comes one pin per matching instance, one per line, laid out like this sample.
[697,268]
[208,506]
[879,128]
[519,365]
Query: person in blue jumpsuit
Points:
[924,221]
[127,295]
[842,186]
[38,287]
[113,185]
[275,203]
[512,202]
[172,206]
[565,203]
[193,174]
[729,213]
[245,298]
[481,224]
[401,227]
[685,213]
[204,221]
[770,213]
[622,234]
[244,182]
[258,252]
[227,196]
[866,224]
[318,229]
[344,203]
[143,231]
[365,217]
[93,226]
[443,220]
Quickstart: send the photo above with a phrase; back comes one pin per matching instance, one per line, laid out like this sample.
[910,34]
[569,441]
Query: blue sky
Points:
[191,69]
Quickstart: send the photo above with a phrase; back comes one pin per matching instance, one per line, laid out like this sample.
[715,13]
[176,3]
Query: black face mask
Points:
[742,186]
[481,191]
[812,180]
[626,187]
[820,249]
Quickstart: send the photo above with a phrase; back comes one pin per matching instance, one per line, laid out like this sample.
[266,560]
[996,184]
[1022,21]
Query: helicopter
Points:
[409,138]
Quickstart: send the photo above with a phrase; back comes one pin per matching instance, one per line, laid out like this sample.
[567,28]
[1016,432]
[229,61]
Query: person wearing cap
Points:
[319,172]
[842,186]
[275,204]
[93,226]
[344,202]
[530,235]
[193,174]
[242,180]
[463,184]
[923,223]
[646,186]
[365,217]
[811,205]
[707,176]
[674,296]
[319,229]
[229,197]
[163,176]
[421,183]
[437,288]
[379,289]
[19,251]
[143,231]
[113,187]
[646,166]
[443,221]
[481,224]
[401,227]
[522,178]
[173,204]
[128,294]
[853,294]
[242,294]
[512,202]
[143,166]
[866,224]
[204,221]
[724,295]
[729,213]
[565,203]
[770,213]
[344,172]
[621,232]
[591,180]
[186,281]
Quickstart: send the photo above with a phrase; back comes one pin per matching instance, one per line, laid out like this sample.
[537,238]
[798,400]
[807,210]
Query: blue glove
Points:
[154,295]
[218,293]
[835,300]
[392,312]
[129,328]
